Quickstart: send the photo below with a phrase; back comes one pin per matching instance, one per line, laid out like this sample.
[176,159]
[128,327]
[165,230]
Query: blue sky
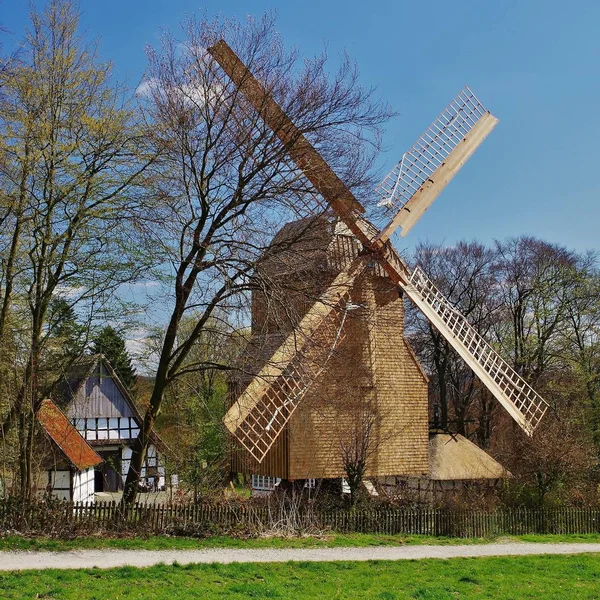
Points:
[534,64]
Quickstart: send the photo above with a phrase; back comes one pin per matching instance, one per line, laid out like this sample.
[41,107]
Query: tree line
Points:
[538,303]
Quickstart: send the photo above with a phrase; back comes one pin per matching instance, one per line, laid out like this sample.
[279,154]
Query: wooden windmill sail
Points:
[261,412]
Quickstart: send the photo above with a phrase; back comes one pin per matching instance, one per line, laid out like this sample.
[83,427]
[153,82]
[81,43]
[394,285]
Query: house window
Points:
[264,482]
[125,428]
[107,428]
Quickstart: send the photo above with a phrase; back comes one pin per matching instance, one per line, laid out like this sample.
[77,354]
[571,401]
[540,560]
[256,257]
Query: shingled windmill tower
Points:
[346,323]
[358,376]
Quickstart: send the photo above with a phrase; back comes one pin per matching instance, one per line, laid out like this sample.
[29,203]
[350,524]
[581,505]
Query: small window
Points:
[264,482]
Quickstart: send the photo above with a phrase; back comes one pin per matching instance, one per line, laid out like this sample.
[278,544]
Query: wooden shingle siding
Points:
[372,367]
[401,389]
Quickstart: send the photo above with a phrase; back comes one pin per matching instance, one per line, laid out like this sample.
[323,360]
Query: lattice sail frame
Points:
[524,404]
[433,160]
[431,149]
[265,406]
[272,410]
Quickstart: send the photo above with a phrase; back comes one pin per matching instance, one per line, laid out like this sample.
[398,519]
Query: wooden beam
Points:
[302,152]
[423,198]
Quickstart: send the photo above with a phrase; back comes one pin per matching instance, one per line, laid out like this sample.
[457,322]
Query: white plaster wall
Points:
[153,459]
[83,486]
[61,484]
[125,460]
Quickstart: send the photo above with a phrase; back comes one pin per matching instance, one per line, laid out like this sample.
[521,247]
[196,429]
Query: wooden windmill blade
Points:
[261,412]
[520,400]
[302,152]
[434,159]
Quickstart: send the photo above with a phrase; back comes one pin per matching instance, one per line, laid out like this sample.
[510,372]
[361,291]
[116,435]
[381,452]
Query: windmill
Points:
[261,412]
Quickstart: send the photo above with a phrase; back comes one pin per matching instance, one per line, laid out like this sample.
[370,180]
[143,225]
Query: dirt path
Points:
[106,559]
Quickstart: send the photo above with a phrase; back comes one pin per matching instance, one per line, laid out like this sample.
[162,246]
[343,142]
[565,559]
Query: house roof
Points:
[66,437]
[81,371]
[75,376]
[454,457]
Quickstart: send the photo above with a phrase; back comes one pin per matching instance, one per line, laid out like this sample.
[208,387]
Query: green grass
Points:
[325,541]
[538,577]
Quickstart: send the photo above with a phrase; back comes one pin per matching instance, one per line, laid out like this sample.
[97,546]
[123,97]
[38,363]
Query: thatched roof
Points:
[454,457]
[66,437]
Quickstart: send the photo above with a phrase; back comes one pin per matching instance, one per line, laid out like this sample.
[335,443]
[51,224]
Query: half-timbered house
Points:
[103,411]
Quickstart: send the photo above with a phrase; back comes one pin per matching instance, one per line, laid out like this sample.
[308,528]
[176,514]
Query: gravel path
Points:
[106,559]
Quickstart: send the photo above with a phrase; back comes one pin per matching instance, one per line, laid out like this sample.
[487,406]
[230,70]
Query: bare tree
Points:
[536,284]
[359,441]
[579,341]
[225,183]
[465,275]
[556,460]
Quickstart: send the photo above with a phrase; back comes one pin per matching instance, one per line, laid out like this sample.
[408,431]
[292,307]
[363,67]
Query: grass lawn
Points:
[326,541]
[536,577]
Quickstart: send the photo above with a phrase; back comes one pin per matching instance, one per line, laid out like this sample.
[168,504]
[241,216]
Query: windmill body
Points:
[371,374]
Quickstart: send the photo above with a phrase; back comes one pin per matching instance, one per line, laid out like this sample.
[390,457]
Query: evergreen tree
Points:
[66,335]
[64,342]
[109,343]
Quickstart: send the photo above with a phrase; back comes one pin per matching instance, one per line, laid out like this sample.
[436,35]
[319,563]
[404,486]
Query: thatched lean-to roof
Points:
[77,451]
[454,457]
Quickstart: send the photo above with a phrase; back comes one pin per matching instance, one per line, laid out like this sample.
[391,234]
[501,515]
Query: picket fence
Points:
[200,519]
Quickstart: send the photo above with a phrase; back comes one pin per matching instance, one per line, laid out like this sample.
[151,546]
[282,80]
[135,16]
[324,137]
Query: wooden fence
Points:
[58,518]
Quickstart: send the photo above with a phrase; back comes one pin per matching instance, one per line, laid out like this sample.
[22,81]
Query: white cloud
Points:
[189,93]
[70,292]
[140,346]
[146,87]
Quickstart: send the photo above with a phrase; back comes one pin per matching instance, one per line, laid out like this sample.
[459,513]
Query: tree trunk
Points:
[140,446]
